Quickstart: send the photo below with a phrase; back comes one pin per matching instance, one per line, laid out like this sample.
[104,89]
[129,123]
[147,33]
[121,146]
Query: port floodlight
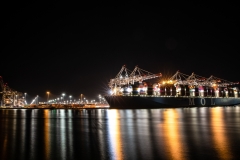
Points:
[111,92]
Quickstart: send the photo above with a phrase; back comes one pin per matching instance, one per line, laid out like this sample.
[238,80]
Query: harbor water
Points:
[131,134]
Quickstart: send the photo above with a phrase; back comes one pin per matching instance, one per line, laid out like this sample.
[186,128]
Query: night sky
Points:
[76,48]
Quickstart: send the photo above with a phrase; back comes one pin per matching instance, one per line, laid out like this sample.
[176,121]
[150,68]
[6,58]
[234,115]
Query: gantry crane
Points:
[9,96]
[195,80]
[126,77]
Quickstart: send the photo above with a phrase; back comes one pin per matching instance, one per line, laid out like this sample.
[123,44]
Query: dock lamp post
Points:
[17,99]
[25,97]
[48,97]
[70,98]
[81,98]
[63,96]
[100,98]
[37,100]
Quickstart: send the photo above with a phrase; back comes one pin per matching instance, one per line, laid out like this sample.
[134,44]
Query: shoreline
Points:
[58,106]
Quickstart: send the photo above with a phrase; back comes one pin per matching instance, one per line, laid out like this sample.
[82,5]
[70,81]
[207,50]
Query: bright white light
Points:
[129,89]
[111,92]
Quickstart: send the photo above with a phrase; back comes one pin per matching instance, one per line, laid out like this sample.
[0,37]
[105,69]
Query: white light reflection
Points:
[144,139]
[130,130]
[62,134]
[205,129]
[101,137]
[14,128]
[23,131]
[194,112]
[33,135]
[70,134]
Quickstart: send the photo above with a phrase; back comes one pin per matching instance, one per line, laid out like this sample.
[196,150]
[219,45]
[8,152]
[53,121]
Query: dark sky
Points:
[76,48]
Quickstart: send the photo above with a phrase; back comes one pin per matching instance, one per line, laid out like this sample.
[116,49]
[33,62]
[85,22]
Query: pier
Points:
[61,106]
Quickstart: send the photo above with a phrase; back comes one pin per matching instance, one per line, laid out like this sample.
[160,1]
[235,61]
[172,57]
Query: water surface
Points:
[68,134]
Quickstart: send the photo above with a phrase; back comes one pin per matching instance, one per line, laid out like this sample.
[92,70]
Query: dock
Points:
[61,106]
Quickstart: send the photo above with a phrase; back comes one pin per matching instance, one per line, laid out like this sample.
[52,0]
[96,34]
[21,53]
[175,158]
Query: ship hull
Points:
[138,102]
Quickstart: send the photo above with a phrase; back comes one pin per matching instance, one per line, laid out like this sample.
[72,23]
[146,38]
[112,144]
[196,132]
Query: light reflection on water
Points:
[219,136]
[181,133]
[46,133]
[114,132]
[172,137]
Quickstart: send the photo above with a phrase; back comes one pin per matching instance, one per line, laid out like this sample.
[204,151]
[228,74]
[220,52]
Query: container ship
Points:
[132,90]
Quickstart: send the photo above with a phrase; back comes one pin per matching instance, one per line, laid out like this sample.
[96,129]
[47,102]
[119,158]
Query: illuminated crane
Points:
[178,79]
[140,75]
[195,80]
[10,97]
[122,78]
[126,77]
[212,80]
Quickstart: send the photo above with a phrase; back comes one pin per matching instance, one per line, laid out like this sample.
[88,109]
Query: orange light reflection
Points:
[115,134]
[219,136]
[46,133]
[173,141]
